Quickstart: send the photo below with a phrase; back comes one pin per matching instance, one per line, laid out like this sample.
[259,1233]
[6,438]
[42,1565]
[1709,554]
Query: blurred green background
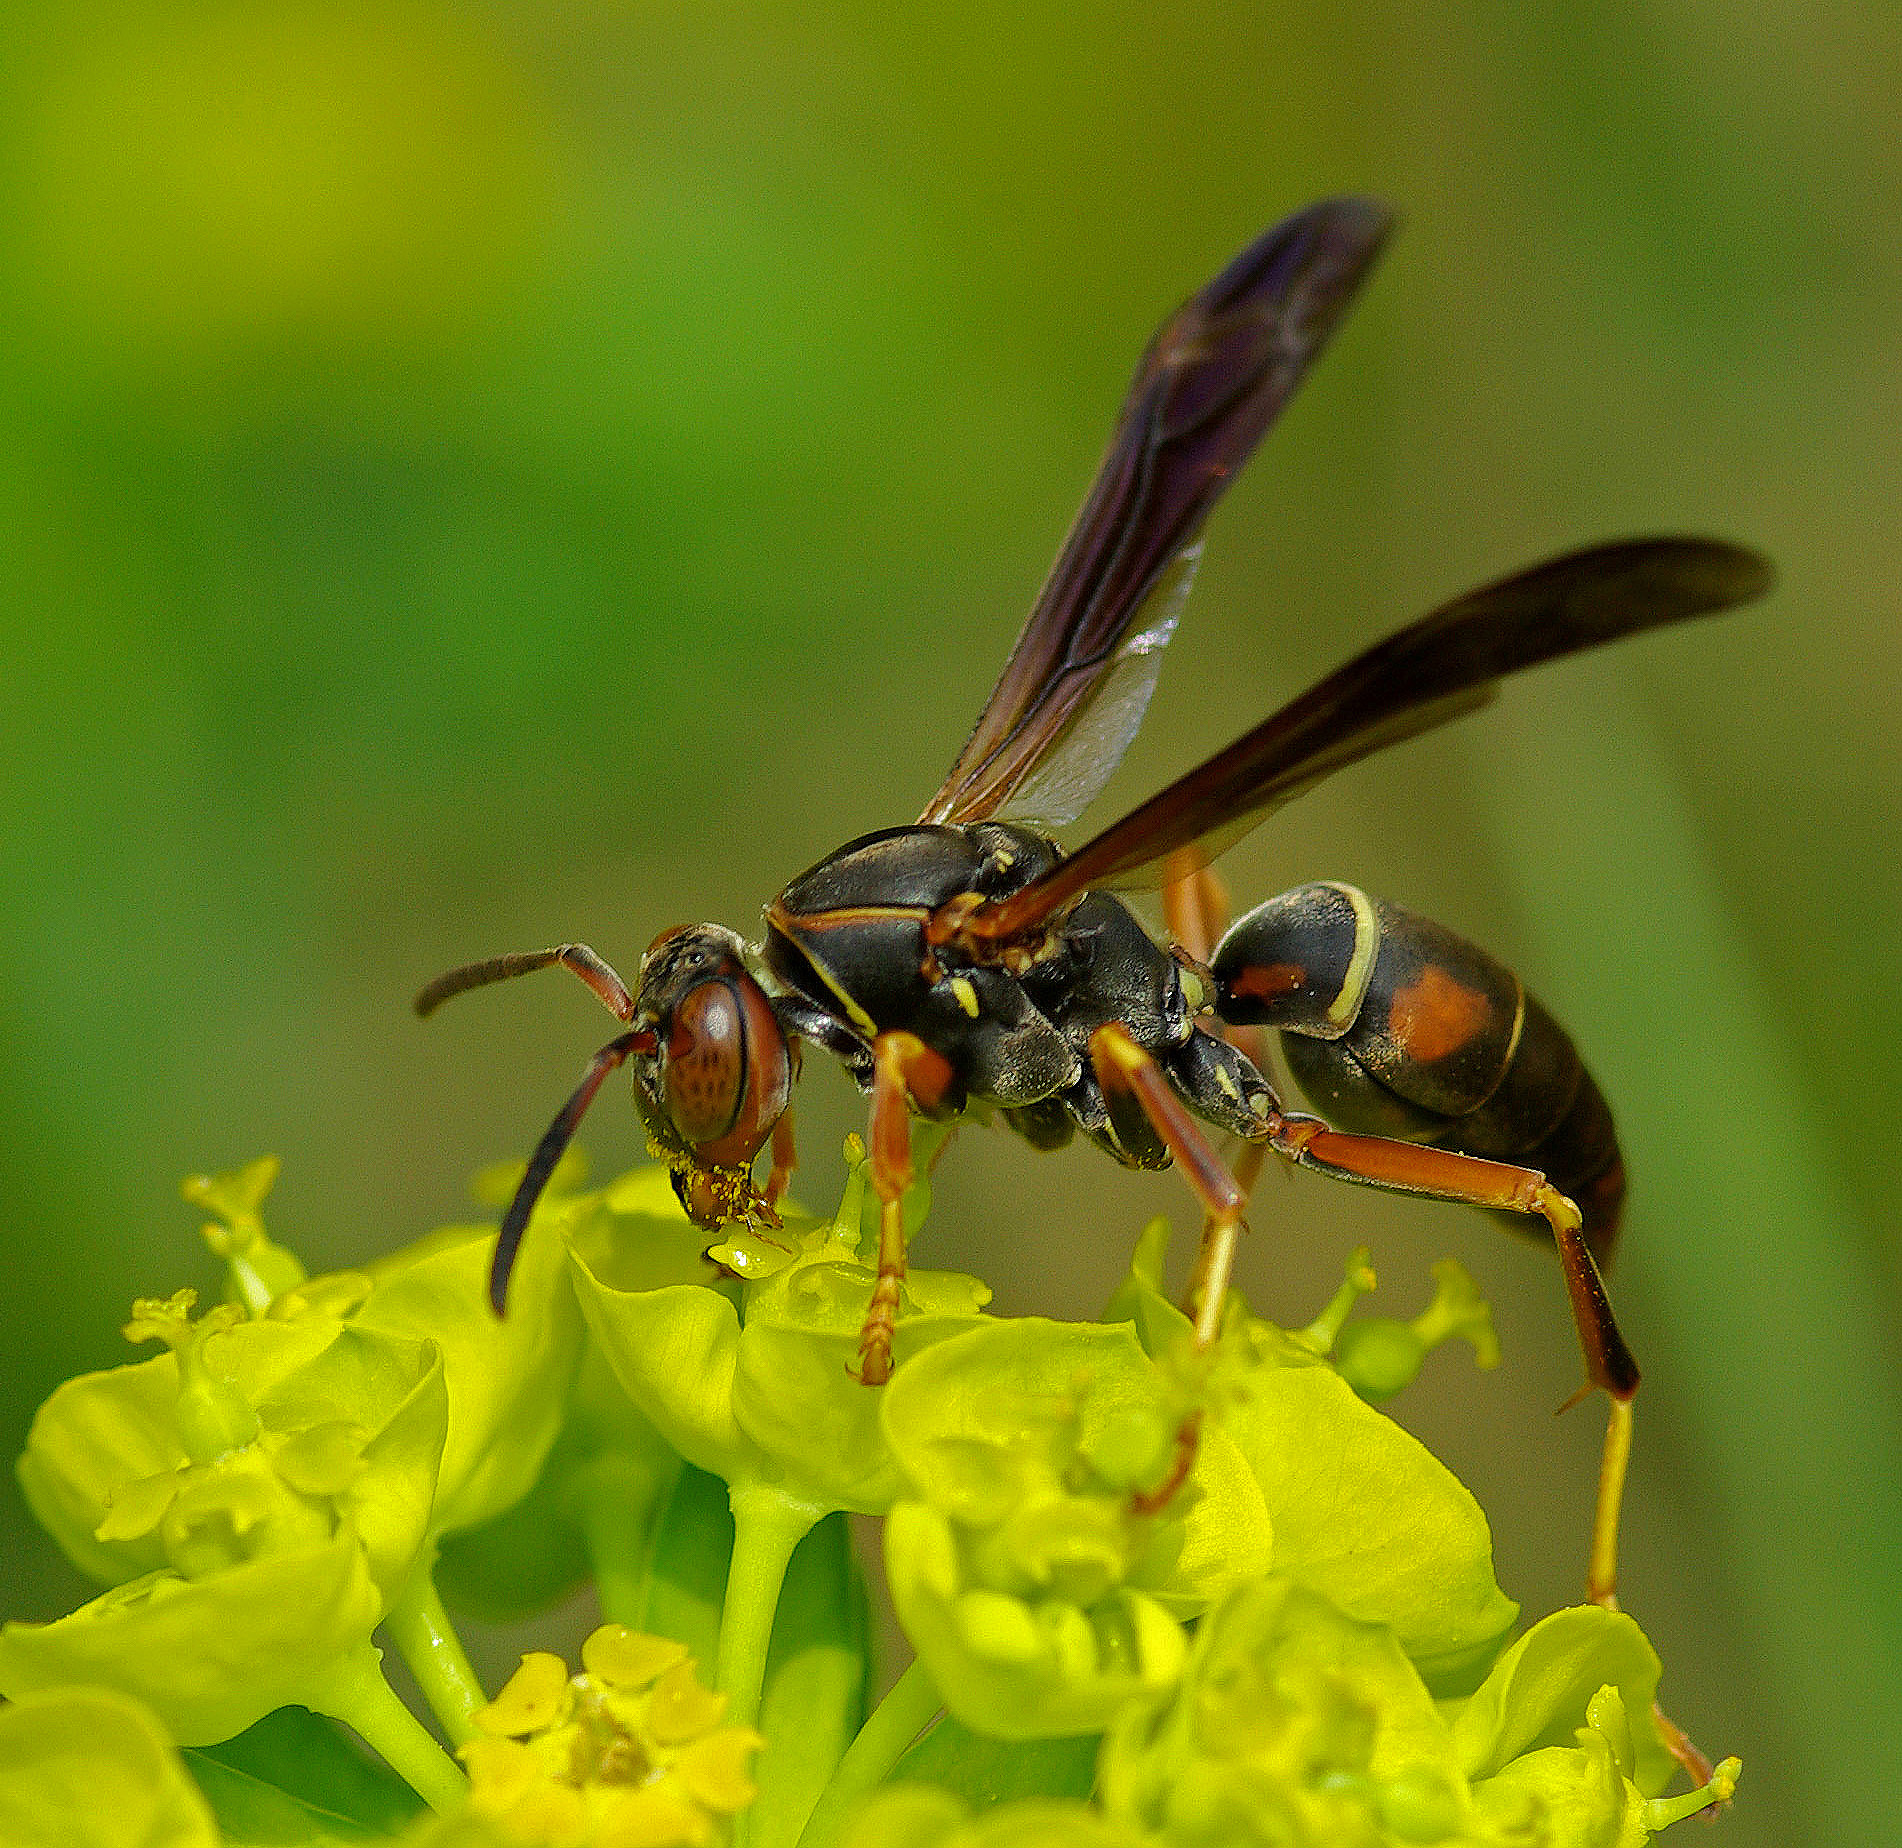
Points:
[473,477]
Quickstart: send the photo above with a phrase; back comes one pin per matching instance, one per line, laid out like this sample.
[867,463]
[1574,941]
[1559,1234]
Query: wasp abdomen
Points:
[1392,1025]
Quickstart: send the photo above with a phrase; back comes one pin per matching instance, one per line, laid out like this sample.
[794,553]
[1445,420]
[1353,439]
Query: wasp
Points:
[967,961]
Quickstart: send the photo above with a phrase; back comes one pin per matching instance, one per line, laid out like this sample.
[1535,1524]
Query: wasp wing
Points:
[1436,669]
[1218,371]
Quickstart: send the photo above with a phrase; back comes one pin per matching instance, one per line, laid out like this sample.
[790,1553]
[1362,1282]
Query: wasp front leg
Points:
[785,1162]
[903,1068]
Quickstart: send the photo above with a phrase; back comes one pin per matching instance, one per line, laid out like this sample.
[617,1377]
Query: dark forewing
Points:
[1437,668]
[1212,380]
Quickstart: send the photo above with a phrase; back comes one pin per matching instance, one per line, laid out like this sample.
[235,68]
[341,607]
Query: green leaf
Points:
[94,1434]
[1293,1722]
[106,1454]
[685,1583]
[1022,1668]
[1539,1690]
[1564,1798]
[816,1675]
[794,1393]
[986,1772]
[314,1759]
[755,1387]
[254,1814]
[1037,1595]
[84,1767]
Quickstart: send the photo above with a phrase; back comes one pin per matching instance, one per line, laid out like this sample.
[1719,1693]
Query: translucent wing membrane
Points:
[1438,668]
[1073,692]
[1071,773]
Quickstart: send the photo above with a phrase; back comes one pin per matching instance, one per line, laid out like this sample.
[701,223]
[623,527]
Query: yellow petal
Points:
[501,1772]
[532,1699]
[680,1709]
[716,1769]
[133,1509]
[622,1658]
[658,1815]
[551,1816]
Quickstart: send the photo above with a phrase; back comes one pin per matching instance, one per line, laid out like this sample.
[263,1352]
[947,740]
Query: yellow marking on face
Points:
[966,994]
[1345,1007]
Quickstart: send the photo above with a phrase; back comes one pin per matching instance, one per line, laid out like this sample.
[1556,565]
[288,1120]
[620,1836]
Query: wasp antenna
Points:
[548,1152]
[576,958]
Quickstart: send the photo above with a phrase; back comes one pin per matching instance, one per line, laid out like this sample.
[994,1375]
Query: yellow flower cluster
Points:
[630,1753]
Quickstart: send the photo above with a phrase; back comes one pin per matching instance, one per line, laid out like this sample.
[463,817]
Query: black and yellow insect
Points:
[966,959]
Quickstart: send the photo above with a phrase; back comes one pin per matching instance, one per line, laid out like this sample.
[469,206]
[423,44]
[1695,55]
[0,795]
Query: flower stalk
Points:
[353,1689]
[420,1630]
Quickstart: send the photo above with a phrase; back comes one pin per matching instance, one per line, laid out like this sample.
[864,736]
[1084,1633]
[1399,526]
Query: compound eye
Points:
[706,1062]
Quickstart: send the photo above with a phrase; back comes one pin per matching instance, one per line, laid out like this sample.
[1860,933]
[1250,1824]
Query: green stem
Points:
[353,1690]
[766,1527]
[424,1637]
[894,1723]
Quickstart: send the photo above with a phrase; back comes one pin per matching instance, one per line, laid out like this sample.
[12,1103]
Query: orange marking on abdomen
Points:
[1436,1016]
[1270,981]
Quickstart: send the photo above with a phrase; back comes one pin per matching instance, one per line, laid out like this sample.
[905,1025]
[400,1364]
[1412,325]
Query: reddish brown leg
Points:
[1194,904]
[785,1161]
[1124,1069]
[1195,908]
[903,1067]
[1445,1175]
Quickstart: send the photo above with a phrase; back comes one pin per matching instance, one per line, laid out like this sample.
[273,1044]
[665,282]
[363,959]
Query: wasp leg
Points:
[1195,904]
[1125,1070]
[576,958]
[903,1068]
[1408,1168]
[785,1161]
[1195,909]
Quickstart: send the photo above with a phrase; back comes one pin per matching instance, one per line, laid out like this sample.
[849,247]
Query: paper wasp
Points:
[966,959]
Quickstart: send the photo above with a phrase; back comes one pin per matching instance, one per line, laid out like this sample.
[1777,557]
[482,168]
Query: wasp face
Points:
[721,1072]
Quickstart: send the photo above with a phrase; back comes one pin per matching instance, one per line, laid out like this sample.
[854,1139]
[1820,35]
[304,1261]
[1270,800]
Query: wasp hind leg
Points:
[1442,1174]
